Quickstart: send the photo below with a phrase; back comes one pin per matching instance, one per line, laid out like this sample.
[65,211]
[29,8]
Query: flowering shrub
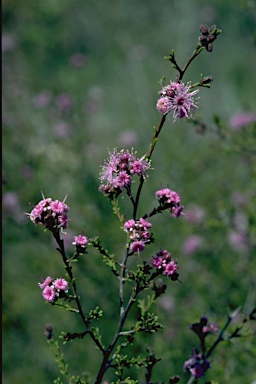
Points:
[117,177]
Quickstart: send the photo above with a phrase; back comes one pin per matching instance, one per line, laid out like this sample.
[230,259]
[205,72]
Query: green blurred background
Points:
[80,77]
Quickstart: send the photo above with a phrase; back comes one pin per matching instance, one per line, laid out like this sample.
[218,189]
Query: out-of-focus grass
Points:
[81,78]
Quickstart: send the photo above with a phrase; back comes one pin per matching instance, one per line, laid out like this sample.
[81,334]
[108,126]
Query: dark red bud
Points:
[204,29]
[211,38]
[203,40]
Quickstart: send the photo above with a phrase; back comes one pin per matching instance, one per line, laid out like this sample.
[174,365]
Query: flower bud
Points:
[211,38]
[204,29]
[213,29]
[209,47]
[48,331]
[203,40]
[206,80]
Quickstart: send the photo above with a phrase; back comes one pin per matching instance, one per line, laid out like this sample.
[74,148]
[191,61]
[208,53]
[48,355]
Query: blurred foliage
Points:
[82,77]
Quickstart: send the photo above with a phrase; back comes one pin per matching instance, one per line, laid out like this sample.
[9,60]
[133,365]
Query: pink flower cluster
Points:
[169,266]
[138,233]
[196,365]
[52,289]
[212,328]
[118,170]
[178,98]
[47,210]
[80,242]
[170,200]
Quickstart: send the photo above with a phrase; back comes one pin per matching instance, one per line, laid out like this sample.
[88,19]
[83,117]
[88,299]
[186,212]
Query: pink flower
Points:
[173,197]
[166,195]
[42,99]
[36,213]
[192,244]
[63,221]
[177,97]
[170,200]
[211,328]
[157,262]
[170,268]
[123,179]
[47,281]
[197,371]
[177,211]
[129,225]
[49,293]
[118,170]
[195,214]
[58,207]
[139,167]
[45,202]
[64,102]
[80,240]
[144,224]
[196,365]
[60,284]
[164,105]
[164,262]
[137,246]
[46,210]
[241,120]
[183,103]
[163,194]
[239,241]
[138,232]
[51,289]
[11,202]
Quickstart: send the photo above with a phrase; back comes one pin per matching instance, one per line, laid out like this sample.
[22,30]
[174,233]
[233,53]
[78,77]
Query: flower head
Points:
[59,207]
[53,289]
[138,232]
[49,293]
[170,268]
[196,365]
[164,262]
[46,282]
[178,98]
[118,170]
[60,284]
[80,240]
[51,214]
[169,200]
[164,105]
[137,246]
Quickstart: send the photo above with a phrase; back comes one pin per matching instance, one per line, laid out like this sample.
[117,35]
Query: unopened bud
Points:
[209,47]
[48,331]
[213,29]
[204,29]
[203,40]
[206,80]
[211,38]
